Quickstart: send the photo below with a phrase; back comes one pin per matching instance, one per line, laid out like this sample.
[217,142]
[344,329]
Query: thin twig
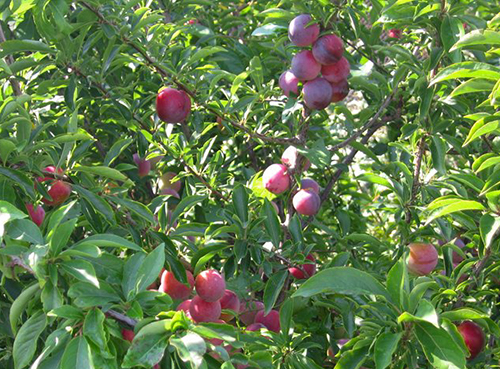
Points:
[370,123]
[416,177]
[347,160]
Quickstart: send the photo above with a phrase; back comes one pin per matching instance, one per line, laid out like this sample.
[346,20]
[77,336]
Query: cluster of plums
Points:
[325,58]
[58,190]
[213,303]
[277,179]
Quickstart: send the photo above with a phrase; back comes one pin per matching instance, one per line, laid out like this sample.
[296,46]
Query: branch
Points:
[17,261]
[122,318]
[347,161]
[369,124]
[416,177]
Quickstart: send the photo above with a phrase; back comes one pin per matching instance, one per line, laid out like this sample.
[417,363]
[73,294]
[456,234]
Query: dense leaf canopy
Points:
[98,195]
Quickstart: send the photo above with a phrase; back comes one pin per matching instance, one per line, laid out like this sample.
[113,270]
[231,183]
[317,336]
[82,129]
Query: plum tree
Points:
[473,336]
[289,83]
[229,301]
[291,156]
[306,202]
[304,66]
[336,72]
[300,33]
[271,321]
[37,215]
[175,289]
[309,183]
[173,106]
[143,165]
[340,90]
[210,285]
[423,258]
[328,49]
[167,183]
[317,93]
[204,311]
[276,178]
[248,311]
[309,269]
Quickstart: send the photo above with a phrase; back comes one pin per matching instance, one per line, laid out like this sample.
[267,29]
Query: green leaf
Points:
[467,69]
[272,224]
[267,30]
[489,162]
[478,37]
[480,128]
[273,288]
[190,347]
[151,268]
[20,303]
[97,202]
[6,148]
[20,179]
[102,171]
[385,346]
[14,46]
[115,150]
[26,340]
[146,350]
[439,347]
[135,207]
[488,227]
[451,31]
[61,236]
[77,354]
[93,327]
[286,315]
[8,212]
[343,280]
[240,202]
[454,206]
[353,359]
[492,182]
[203,53]
[473,86]
[87,295]
[25,230]
[67,312]
[396,281]
[186,203]
[108,240]
[81,270]
[438,153]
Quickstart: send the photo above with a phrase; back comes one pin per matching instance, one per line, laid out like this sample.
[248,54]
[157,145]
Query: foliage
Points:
[411,155]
